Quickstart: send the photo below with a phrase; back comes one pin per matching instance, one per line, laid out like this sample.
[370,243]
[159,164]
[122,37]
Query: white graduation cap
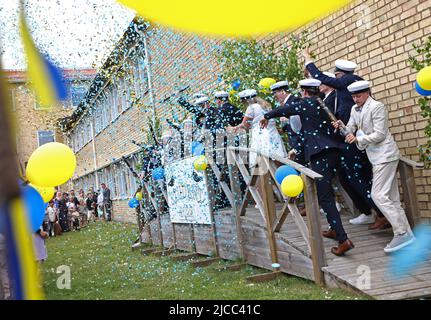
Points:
[329,74]
[201,100]
[280,85]
[345,66]
[359,86]
[247,94]
[309,83]
[221,94]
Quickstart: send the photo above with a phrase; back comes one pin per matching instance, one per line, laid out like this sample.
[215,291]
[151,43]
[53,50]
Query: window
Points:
[45,137]
[77,94]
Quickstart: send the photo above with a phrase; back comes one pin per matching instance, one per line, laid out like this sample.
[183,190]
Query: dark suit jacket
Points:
[231,115]
[344,98]
[318,133]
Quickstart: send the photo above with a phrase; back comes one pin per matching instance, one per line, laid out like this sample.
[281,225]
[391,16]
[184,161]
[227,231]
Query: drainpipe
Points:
[93,143]
[150,87]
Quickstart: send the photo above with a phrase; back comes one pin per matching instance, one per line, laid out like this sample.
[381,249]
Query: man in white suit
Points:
[368,128]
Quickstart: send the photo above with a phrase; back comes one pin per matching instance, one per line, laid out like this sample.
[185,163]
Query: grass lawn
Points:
[104,267]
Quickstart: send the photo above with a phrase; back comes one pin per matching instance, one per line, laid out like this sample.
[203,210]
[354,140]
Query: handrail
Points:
[412,163]
[308,172]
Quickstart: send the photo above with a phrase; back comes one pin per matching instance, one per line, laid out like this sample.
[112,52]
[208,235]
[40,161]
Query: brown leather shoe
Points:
[331,234]
[303,212]
[342,248]
[380,224]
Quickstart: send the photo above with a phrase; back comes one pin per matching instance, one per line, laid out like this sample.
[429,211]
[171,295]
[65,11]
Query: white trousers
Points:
[386,196]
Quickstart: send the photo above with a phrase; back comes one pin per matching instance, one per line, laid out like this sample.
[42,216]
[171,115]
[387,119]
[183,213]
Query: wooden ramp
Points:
[264,229]
[366,268]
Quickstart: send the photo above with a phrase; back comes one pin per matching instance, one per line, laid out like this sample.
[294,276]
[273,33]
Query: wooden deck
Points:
[367,256]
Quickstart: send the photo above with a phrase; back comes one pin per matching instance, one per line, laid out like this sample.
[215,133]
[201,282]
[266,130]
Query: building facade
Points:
[141,77]
[36,126]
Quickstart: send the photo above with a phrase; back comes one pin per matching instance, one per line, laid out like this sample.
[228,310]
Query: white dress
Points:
[266,140]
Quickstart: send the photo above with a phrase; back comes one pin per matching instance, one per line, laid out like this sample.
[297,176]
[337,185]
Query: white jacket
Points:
[370,123]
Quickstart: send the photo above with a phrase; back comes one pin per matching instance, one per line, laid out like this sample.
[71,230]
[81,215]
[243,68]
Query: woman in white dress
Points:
[266,140]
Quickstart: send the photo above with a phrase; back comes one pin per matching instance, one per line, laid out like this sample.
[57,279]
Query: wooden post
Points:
[236,192]
[410,197]
[210,195]
[269,209]
[315,230]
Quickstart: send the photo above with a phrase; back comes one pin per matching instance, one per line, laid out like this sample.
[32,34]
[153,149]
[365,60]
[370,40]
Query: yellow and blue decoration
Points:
[22,266]
[201,163]
[45,78]
[423,82]
[243,18]
[265,84]
[292,186]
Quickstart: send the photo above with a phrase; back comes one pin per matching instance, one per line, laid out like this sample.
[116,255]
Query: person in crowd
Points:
[60,204]
[73,214]
[52,218]
[266,140]
[322,151]
[82,210]
[39,245]
[75,199]
[368,129]
[100,205]
[89,203]
[107,202]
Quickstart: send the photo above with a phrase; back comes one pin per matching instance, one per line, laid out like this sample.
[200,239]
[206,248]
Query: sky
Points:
[74,33]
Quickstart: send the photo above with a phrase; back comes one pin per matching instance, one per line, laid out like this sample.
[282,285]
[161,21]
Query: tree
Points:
[249,61]
[418,62]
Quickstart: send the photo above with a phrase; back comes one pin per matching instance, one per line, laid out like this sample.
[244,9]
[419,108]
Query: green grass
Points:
[104,267]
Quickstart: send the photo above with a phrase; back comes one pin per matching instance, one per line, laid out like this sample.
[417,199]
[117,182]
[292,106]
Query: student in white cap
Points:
[369,129]
[230,115]
[322,150]
[293,126]
[266,140]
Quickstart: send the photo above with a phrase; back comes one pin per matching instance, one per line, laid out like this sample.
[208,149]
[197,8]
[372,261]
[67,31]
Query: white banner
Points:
[187,193]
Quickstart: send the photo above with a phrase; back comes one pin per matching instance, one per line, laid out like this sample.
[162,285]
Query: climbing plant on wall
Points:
[421,60]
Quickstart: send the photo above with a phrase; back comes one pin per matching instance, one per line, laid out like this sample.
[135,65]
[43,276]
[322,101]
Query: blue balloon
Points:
[236,84]
[283,172]
[35,207]
[133,203]
[158,174]
[421,91]
[197,148]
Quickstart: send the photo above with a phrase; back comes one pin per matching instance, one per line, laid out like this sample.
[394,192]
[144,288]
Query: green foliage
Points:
[249,61]
[421,60]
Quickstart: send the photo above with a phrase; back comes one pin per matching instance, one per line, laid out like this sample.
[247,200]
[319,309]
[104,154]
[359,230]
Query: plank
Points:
[264,277]
[410,197]
[300,223]
[186,257]
[204,263]
[315,230]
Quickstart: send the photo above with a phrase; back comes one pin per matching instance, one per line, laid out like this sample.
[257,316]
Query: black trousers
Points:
[328,164]
[356,178]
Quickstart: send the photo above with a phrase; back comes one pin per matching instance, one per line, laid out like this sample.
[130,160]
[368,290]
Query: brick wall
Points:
[29,120]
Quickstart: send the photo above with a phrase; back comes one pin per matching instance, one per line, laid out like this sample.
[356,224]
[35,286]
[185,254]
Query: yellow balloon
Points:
[266,83]
[51,165]
[47,193]
[201,163]
[138,196]
[424,78]
[233,18]
[292,185]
